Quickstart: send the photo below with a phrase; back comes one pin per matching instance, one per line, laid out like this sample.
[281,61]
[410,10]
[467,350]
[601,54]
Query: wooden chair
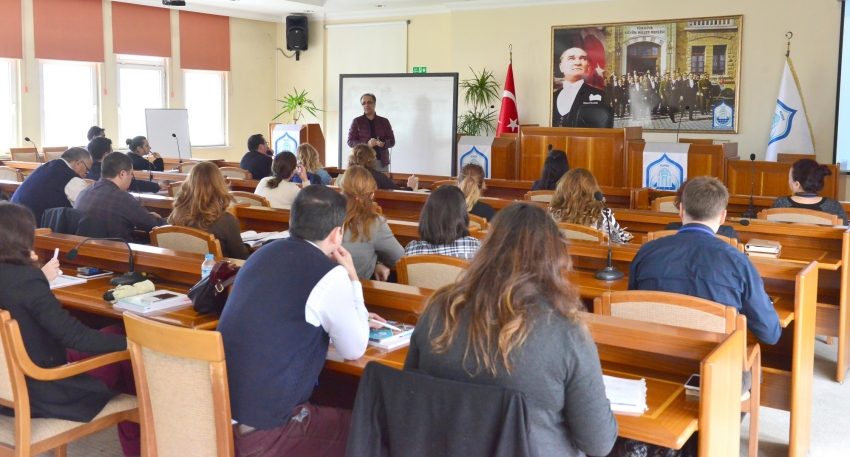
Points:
[665,205]
[544,196]
[429,271]
[695,313]
[478,222]
[662,233]
[581,232]
[11,174]
[233,172]
[799,215]
[24,154]
[250,199]
[185,239]
[444,182]
[23,436]
[52,155]
[186,167]
[174,189]
[181,380]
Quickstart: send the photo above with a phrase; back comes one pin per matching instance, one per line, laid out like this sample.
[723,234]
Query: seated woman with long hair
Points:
[308,156]
[471,182]
[805,179]
[364,156]
[444,226]
[51,335]
[368,238]
[574,202]
[278,188]
[202,204]
[512,320]
[555,166]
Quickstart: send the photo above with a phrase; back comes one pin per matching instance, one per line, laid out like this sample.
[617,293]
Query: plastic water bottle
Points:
[207,266]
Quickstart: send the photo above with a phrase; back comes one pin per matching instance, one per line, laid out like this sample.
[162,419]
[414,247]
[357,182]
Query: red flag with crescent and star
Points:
[508,117]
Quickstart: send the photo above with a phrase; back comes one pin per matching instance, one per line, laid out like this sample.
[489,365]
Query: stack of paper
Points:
[254,239]
[763,248]
[626,395]
[65,281]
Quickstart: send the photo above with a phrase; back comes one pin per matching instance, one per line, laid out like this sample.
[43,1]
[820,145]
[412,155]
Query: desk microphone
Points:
[681,115]
[179,160]
[609,273]
[37,156]
[751,212]
[129,278]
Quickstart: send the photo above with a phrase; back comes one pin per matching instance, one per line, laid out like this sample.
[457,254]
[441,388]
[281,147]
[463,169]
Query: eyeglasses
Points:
[87,167]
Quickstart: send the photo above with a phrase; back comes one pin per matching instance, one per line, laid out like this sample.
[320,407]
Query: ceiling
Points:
[277,10]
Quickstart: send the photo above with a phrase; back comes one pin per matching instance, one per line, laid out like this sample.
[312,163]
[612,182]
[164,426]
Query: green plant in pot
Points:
[294,105]
[481,92]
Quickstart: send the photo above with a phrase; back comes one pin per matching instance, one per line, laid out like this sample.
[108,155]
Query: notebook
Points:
[626,395]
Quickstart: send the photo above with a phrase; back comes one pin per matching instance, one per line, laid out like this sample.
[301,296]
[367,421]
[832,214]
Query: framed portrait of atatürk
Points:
[663,76]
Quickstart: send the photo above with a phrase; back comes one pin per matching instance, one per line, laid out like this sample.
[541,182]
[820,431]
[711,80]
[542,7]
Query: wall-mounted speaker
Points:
[296,33]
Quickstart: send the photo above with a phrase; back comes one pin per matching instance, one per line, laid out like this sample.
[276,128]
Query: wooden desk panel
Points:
[772,179]
[703,160]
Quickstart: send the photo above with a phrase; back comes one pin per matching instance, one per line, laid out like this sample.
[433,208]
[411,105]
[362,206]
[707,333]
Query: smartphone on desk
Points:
[158,297]
[693,384]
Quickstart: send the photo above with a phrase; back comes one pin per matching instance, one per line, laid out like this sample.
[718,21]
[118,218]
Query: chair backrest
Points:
[11,174]
[668,308]
[250,199]
[7,385]
[185,239]
[23,154]
[444,182]
[174,188]
[581,232]
[800,215]
[52,155]
[662,233]
[233,172]
[544,196]
[181,382]
[478,222]
[186,167]
[429,271]
[665,205]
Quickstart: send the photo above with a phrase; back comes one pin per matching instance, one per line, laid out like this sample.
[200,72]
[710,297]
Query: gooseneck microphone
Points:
[37,156]
[609,273]
[179,160]
[751,212]
[129,278]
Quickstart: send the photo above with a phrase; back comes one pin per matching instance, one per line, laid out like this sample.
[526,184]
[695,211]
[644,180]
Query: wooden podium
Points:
[703,160]
[310,133]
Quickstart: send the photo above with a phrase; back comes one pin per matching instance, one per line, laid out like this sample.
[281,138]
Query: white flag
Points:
[791,132]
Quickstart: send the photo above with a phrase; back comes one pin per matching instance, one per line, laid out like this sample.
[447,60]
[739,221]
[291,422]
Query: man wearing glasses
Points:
[258,159]
[372,130]
[55,184]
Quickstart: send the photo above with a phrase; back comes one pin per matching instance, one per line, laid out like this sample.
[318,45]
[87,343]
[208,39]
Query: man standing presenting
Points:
[574,93]
[372,130]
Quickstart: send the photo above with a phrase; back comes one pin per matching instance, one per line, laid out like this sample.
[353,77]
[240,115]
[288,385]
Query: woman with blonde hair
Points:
[202,204]
[364,156]
[575,202]
[471,183]
[308,157]
[512,320]
[368,238]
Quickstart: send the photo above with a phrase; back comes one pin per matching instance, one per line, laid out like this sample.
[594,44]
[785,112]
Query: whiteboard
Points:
[161,124]
[422,109]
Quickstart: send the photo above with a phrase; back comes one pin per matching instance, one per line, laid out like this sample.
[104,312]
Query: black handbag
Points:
[210,294]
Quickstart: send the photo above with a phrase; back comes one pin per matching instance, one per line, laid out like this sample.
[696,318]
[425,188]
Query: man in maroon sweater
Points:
[372,130]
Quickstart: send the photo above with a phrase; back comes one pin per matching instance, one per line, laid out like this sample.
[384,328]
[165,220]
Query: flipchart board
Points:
[168,132]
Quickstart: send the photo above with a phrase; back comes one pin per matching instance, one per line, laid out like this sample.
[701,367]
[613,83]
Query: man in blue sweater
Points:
[289,300]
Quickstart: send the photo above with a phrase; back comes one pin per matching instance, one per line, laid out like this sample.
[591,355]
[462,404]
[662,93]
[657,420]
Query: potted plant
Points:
[480,93]
[295,103]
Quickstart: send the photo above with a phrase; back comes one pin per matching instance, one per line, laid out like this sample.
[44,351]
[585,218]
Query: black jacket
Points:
[257,163]
[48,330]
[582,98]
[407,413]
[142,164]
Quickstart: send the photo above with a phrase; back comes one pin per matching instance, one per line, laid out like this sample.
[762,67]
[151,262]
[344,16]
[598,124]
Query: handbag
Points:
[210,294]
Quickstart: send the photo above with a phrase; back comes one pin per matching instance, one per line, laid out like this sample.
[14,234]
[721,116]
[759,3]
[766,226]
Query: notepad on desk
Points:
[763,248]
[626,395]
[256,239]
[151,302]
[66,281]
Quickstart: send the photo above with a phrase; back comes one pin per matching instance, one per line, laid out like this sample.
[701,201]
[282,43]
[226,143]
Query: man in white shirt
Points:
[55,184]
[574,93]
[289,300]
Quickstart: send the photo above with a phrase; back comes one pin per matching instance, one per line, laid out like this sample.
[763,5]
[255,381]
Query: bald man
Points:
[574,93]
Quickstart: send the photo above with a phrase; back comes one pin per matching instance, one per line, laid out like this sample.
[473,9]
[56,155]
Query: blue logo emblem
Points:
[285,143]
[782,120]
[723,117]
[475,156]
[664,174]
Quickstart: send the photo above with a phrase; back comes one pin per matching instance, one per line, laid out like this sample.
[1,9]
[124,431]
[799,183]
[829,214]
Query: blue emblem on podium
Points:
[664,174]
[285,143]
[782,122]
[723,117]
[475,156]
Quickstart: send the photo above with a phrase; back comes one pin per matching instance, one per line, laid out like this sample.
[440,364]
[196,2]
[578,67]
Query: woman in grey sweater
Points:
[512,320]
[368,238]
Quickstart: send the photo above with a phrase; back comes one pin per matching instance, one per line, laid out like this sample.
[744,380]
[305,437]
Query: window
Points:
[141,85]
[68,102]
[698,59]
[205,102]
[718,63]
[8,106]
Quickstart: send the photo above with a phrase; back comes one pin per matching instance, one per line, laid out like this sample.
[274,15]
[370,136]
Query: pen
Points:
[56,253]
[384,324]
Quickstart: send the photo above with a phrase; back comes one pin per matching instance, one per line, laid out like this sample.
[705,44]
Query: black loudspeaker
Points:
[296,33]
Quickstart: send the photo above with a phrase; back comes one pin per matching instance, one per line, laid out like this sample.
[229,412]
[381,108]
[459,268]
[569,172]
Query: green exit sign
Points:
[420,69]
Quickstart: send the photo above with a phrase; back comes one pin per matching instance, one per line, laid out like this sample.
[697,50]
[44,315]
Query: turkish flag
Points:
[508,118]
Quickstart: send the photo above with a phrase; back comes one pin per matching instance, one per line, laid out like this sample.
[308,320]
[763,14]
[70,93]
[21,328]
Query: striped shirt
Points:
[464,248]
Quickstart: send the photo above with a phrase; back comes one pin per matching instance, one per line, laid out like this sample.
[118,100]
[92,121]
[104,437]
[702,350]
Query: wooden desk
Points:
[771,179]
[703,160]
[8,188]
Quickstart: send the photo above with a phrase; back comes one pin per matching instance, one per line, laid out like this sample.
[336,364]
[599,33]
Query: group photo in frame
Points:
[663,76]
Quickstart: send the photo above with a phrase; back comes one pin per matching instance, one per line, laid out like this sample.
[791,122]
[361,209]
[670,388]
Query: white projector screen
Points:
[422,109]
[161,125]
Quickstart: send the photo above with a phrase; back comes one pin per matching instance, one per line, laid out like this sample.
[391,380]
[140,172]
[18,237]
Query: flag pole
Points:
[511,53]
[788,35]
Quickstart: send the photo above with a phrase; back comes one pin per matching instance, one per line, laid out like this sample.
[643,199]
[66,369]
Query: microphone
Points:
[744,222]
[609,273]
[179,160]
[751,212]
[681,115]
[129,278]
[37,156]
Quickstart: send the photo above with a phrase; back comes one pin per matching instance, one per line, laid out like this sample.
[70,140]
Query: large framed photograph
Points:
[663,76]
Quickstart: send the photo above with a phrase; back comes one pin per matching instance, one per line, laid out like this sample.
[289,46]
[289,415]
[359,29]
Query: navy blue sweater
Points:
[44,188]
